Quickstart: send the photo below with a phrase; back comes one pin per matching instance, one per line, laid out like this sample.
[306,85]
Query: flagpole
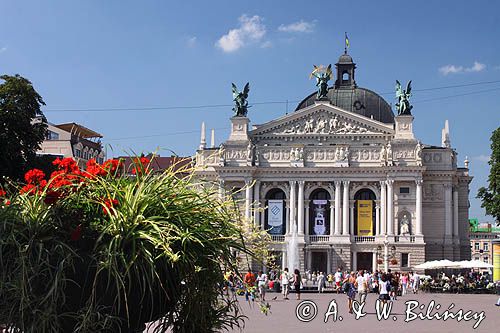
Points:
[345,42]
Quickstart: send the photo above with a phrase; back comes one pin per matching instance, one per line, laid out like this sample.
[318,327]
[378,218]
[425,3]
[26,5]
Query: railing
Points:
[317,238]
[364,239]
[410,239]
[278,238]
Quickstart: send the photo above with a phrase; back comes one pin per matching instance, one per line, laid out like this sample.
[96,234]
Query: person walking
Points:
[404,283]
[321,282]
[338,279]
[262,284]
[285,283]
[349,284]
[362,284]
[296,282]
[249,284]
[384,287]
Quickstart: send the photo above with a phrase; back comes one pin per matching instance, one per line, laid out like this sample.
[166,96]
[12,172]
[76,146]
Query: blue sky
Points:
[132,54]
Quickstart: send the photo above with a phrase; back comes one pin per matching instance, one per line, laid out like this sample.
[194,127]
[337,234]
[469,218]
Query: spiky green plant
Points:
[112,253]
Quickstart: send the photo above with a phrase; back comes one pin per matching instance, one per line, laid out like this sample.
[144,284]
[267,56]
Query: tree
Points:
[490,196]
[23,125]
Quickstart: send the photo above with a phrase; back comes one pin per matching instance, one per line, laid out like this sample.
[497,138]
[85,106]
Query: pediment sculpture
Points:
[323,124]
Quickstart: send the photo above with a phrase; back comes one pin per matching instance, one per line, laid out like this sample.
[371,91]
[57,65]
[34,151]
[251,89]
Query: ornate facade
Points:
[341,177]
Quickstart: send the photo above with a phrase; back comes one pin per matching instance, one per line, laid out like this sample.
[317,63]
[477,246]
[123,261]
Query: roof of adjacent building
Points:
[160,163]
[79,130]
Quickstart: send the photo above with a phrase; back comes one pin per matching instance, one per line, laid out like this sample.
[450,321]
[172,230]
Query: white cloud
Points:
[477,67]
[497,67]
[191,41]
[301,26]
[452,69]
[266,44]
[3,49]
[482,158]
[251,30]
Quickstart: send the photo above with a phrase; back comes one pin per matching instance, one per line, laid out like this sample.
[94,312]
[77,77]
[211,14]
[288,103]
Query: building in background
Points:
[342,180]
[73,140]
[482,237]
[159,164]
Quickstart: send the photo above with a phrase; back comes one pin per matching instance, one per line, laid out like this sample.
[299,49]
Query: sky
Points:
[151,56]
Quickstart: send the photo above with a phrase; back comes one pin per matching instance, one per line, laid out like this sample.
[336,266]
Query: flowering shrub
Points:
[91,251]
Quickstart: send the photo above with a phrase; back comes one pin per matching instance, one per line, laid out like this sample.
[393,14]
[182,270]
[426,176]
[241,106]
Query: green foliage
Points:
[20,137]
[490,195]
[159,252]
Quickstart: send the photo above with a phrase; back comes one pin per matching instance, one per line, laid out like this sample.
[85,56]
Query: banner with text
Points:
[365,214]
[275,217]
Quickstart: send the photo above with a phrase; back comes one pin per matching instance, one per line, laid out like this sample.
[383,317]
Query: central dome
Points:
[348,96]
[358,100]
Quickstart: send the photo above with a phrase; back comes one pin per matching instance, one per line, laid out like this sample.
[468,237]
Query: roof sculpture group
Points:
[322,75]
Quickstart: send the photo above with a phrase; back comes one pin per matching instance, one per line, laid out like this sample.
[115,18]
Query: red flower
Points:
[2,193]
[94,169]
[109,203]
[112,165]
[34,176]
[7,202]
[68,165]
[77,233]
[32,188]
[141,165]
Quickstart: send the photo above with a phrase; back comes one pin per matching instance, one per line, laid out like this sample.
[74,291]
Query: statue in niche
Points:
[293,156]
[301,154]
[250,152]
[346,154]
[309,126]
[383,156]
[389,154]
[222,154]
[404,225]
[418,153]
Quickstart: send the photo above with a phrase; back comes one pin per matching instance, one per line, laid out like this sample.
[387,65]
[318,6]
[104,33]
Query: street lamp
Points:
[386,254]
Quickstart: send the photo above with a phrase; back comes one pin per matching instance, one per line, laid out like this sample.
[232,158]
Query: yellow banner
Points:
[496,261]
[365,213]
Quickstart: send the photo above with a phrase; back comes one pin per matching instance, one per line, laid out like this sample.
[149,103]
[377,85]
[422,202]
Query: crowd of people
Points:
[356,285]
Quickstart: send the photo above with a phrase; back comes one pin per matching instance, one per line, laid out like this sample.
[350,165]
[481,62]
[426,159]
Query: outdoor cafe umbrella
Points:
[474,264]
[438,264]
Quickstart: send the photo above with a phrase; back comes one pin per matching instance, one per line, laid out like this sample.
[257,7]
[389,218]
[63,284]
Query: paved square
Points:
[283,318]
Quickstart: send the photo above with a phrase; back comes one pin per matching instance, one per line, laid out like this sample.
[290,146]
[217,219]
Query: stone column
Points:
[455,213]
[306,204]
[354,265]
[383,207]
[248,196]
[309,259]
[293,225]
[345,209]
[332,218]
[447,211]
[390,207]
[300,212]
[287,216]
[257,204]
[351,217]
[337,207]
[377,219]
[374,261]
[418,210]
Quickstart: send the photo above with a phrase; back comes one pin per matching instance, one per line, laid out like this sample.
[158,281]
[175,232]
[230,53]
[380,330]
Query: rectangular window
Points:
[486,247]
[404,259]
[404,190]
[485,258]
[49,135]
[476,246]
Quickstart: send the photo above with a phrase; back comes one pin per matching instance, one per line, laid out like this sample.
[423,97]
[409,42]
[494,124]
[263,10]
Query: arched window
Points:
[275,216]
[319,212]
[345,76]
[364,222]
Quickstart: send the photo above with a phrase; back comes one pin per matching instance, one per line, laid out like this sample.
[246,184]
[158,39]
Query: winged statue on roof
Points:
[322,75]
[240,100]
[403,99]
